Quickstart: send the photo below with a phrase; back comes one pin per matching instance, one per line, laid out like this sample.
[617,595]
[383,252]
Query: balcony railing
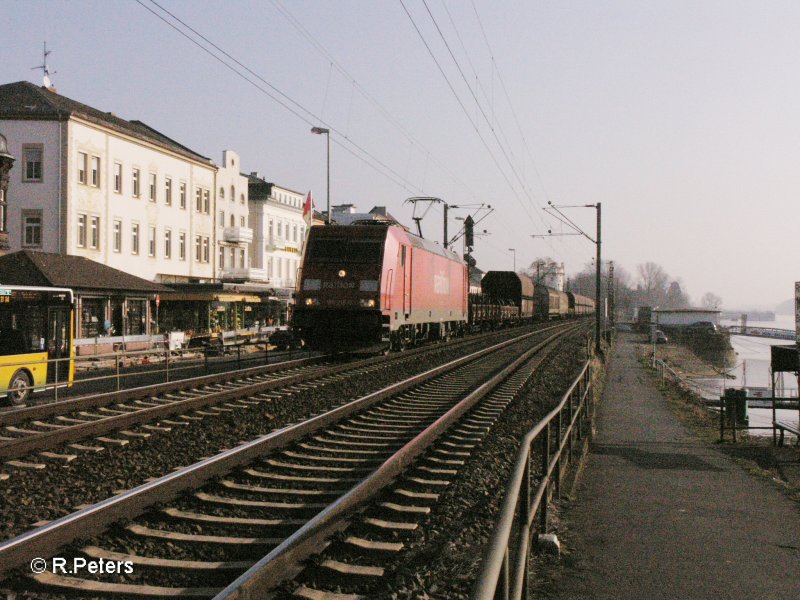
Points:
[244,274]
[238,235]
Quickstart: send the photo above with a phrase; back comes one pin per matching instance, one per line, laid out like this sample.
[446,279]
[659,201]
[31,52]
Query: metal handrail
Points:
[171,360]
[497,579]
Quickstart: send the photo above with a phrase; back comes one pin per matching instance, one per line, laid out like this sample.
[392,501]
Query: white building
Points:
[87,183]
[276,216]
[681,317]
[233,234]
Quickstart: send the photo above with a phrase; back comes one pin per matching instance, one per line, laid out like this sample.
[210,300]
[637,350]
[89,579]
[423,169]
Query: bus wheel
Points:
[20,388]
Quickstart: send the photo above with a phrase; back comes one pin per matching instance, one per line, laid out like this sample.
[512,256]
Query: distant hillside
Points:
[786,307]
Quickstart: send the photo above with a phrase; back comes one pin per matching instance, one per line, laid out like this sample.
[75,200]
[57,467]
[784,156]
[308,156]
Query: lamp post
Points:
[514,250]
[320,131]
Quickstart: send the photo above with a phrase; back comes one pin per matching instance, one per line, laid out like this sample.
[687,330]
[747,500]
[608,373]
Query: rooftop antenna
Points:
[45,70]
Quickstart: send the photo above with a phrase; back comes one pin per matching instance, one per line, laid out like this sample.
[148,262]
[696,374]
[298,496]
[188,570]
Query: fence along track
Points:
[47,539]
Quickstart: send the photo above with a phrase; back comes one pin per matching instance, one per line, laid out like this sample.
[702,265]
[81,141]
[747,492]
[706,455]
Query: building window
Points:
[222,218]
[182,246]
[233,194]
[233,220]
[32,228]
[206,249]
[96,171]
[135,238]
[117,236]
[233,258]
[82,162]
[222,257]
[135,183]
[168,191]
[207,202]
[198,249]
[151,241]
[294,233]
[118,178]
[243,221]
[222,193]
[280,228]
[198,200]
[82,231]
[152,190]
[241,198]
[183,195]
[241,258]
[32,163]
[94,238]
[167,243]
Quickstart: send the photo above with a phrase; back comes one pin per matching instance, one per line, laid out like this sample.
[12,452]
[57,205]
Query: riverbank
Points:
[755,453]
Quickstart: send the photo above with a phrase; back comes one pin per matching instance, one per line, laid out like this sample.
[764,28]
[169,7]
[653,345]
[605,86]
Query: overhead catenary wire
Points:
[482,111]
[294,107]
[390,118]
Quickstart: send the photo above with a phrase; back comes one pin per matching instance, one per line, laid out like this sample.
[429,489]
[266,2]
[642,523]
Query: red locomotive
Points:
[377,286]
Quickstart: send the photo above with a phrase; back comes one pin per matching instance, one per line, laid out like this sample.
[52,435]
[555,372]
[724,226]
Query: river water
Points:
[752,371]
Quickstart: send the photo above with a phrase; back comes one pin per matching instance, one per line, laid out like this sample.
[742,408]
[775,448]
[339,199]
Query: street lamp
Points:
[320,131]
[514,250]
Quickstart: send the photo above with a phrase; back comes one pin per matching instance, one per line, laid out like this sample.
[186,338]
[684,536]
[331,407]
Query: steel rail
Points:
[47,539]
[273,568]
[20,415]
[45,440]
[494,571]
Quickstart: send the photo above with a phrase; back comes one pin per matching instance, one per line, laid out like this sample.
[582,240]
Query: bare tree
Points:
[653,284]
[541,267]
[711,300]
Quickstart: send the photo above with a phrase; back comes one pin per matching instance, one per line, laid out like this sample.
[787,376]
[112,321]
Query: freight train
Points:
[375,286]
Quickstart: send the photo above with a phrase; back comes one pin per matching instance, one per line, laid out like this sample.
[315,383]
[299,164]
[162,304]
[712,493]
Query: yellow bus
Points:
[36,330]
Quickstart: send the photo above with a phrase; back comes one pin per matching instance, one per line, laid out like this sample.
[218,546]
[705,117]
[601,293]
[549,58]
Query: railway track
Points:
[312,472]
[39,429]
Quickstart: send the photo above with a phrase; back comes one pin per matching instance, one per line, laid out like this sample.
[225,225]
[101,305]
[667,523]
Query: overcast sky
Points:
[681,117]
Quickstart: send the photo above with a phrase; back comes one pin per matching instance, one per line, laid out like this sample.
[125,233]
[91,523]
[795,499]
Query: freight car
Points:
[579,306]
[549,303]
[486,313]
[376,286]
[508,287]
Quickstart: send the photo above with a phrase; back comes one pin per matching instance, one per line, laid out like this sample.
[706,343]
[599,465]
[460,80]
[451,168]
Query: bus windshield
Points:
[22,328]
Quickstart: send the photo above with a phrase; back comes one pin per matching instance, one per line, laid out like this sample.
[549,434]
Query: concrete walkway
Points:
[660,514]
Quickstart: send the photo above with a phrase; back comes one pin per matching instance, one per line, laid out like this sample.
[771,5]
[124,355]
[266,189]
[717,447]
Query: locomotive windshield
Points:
[344,250]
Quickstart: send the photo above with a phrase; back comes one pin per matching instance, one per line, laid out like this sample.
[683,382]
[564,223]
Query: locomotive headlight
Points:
[367,302]
[342,273]
[312,301]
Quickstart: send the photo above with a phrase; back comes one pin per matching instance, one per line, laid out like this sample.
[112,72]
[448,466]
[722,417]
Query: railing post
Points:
[116,361]
[545,480]
[55,388]
[721,418]
[558,461]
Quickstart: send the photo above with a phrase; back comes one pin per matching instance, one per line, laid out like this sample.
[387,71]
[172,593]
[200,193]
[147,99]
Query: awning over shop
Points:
[209,297]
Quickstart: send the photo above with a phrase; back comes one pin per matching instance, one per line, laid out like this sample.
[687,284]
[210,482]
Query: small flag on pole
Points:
[308,209]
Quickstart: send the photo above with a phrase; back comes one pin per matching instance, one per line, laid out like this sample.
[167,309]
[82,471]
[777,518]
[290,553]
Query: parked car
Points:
[661,337]
[706,326]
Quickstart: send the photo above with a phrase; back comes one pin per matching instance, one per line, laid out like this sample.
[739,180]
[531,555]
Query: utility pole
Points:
[597,240]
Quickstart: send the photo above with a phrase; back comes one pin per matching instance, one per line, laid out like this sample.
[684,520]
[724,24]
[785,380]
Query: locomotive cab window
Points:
[345,250]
